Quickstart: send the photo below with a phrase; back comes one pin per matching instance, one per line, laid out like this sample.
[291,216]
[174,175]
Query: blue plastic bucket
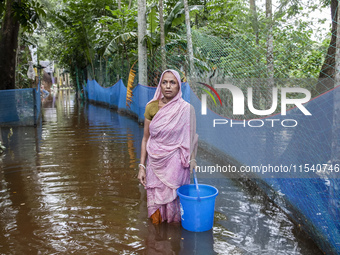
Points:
[197,215]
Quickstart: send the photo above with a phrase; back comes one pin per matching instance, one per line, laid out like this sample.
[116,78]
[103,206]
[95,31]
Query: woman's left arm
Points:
[192,161]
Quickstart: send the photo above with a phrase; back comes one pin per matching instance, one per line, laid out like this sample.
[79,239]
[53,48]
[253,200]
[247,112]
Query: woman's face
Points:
[169,86]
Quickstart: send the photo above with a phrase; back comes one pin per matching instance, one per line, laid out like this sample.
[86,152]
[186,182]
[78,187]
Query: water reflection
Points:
[197,243]
[70,186]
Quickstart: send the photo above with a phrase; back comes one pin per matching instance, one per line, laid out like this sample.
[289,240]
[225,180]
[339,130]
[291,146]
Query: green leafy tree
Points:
[75,34]
[121,41]
[326,76]
[15,13]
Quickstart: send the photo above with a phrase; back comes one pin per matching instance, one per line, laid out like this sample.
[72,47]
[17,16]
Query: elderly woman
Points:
[169,144]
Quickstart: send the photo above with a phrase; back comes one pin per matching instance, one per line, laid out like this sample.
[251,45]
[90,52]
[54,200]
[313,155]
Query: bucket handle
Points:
[196,183]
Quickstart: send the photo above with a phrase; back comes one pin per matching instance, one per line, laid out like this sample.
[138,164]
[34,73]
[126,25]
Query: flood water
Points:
[70,186]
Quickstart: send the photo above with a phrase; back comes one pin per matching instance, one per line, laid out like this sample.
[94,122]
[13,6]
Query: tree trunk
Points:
[100,78]
[189,42]
[127,59]
[326,76]
[270,50]
[120,5]
[142,52]
[254,21]
[336,116]
[161,24]
[8,47]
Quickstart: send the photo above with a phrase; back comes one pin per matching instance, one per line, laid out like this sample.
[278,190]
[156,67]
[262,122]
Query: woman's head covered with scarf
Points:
[159,95]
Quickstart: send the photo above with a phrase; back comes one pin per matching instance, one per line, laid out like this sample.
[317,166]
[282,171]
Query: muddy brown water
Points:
[69,187]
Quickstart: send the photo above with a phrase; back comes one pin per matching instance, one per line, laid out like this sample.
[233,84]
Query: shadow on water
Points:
[69,186]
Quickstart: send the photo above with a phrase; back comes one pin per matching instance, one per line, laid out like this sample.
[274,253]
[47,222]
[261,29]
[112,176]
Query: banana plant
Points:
[122,26]
[172,24]
[176,16]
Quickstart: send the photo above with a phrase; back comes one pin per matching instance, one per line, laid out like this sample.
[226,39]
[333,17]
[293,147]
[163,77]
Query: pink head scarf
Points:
[158,94]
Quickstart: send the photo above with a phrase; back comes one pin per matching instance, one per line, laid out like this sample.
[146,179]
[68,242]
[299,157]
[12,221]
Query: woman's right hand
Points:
[143,155]
[142,176]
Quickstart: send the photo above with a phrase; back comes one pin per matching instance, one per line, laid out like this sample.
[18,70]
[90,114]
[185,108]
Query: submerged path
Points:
[70,186]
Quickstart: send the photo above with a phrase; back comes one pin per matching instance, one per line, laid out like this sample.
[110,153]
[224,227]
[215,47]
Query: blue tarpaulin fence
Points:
[311,197]
[20,107]
[115,96]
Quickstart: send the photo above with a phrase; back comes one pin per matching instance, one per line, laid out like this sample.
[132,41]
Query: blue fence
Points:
[20,107]
[311,197]
[115,96]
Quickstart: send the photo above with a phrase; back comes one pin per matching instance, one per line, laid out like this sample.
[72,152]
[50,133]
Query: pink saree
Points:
[172,140]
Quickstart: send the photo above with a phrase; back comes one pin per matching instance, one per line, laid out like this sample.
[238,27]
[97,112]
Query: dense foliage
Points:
[18,20]
[81,35]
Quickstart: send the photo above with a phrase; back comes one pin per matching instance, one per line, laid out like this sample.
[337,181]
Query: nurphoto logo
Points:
[238,105]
